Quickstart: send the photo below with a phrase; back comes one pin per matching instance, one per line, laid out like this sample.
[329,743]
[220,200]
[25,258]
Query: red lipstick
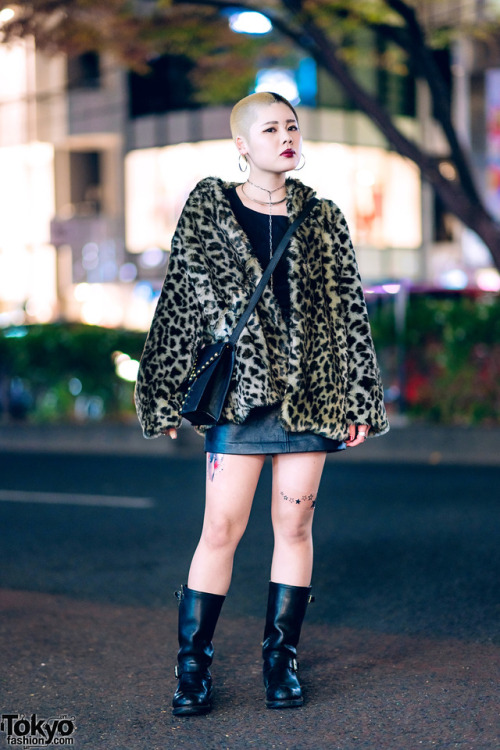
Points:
[288,153]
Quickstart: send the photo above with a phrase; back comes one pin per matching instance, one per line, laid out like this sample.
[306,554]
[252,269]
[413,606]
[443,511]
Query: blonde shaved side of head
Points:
[244,112]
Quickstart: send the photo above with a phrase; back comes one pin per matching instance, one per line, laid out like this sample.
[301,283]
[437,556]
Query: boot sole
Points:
[191,710]
[291,703]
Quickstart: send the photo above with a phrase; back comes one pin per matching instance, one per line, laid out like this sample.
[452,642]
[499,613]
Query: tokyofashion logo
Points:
[24,731]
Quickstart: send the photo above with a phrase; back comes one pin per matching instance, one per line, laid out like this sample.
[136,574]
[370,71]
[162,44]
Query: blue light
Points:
[307,82]
[75,386]
[280,80]
[455,278]
[143,290]
[250,22]
[16,333]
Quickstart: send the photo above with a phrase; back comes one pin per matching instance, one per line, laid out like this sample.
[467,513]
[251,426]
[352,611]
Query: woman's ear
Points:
[241,145]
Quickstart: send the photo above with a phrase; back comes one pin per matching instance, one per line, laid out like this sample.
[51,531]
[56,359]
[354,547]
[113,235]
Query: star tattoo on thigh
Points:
[311,498]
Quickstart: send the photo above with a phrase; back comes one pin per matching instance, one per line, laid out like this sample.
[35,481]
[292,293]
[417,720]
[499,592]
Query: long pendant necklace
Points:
[269,203]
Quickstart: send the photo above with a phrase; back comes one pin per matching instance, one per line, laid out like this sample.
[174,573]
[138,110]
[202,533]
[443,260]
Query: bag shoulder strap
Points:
[270,268]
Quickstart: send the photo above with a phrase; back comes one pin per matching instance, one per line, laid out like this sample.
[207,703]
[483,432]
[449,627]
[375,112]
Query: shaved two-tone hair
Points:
[244,112]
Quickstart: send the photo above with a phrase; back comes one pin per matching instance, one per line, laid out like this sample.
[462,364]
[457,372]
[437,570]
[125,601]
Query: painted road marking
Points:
[69,498]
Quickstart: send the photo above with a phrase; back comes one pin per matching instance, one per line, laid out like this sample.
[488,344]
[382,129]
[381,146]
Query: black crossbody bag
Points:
[208,382]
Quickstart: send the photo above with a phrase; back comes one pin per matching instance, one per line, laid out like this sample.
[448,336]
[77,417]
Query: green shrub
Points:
[449,353]
[66,371]
[447,359]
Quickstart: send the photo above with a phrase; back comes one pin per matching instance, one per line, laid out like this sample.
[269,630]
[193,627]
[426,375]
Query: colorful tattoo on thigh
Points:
[214,464]
[308,499]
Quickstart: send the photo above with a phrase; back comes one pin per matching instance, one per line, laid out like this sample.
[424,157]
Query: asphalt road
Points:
[400,650]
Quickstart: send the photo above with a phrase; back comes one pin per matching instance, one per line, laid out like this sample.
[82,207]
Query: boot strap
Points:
[190,669]
[277,658]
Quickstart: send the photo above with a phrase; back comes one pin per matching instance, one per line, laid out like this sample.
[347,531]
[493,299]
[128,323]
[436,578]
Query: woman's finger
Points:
[357,434]
[172,432]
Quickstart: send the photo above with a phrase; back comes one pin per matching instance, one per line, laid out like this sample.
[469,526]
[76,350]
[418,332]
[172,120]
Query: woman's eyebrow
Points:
[275,122]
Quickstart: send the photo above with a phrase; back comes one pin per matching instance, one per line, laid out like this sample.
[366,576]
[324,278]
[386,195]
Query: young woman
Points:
[305,383]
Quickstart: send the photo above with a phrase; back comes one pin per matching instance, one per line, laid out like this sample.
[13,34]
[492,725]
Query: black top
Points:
[256,227]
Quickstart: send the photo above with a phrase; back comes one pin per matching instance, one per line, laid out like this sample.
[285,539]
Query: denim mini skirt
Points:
[262,432]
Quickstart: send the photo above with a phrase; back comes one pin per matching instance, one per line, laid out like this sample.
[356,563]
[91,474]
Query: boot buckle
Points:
[294,665]
[179,595]
[176,671]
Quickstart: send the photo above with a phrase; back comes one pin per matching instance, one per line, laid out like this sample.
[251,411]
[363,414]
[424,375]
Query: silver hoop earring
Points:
[240,157]
[297,168]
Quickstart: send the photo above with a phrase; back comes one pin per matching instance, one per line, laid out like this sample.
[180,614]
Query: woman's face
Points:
[274,142]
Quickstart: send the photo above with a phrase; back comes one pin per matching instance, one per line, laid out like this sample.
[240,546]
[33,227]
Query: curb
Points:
[404,443]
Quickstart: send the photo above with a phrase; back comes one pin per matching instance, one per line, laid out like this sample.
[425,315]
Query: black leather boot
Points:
[286,608]
[198,615]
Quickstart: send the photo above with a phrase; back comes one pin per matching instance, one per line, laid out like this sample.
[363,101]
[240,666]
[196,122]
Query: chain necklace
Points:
[269,203]
[263,203]
[266,190]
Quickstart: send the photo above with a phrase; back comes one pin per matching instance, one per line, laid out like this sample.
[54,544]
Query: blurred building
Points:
[474,68]
[96,163]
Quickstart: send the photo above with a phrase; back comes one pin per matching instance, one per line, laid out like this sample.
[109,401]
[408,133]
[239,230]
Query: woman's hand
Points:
[357,434]
[172,432]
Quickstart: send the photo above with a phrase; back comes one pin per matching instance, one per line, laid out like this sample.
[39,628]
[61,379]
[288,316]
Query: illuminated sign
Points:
[378,191]
[493,140]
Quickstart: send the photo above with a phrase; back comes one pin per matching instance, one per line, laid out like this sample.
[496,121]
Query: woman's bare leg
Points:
[296,480]
[230,488]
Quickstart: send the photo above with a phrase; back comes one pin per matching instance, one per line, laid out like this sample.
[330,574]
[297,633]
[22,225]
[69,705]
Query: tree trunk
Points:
[489,232]
[461,197]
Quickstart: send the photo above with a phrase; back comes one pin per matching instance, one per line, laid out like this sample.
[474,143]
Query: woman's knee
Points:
[293,513]
[293,530]
[222,533]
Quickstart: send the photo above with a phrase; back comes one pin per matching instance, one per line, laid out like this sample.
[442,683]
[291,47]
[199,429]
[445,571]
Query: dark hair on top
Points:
[281,99]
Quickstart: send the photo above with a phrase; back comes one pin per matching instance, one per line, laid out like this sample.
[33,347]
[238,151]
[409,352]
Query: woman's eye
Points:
[272,129]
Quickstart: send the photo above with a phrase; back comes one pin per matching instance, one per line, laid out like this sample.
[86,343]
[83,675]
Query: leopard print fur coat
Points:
[322,369]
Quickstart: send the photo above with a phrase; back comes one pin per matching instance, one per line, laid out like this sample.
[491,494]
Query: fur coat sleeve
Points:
[169,351]
[364,392]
